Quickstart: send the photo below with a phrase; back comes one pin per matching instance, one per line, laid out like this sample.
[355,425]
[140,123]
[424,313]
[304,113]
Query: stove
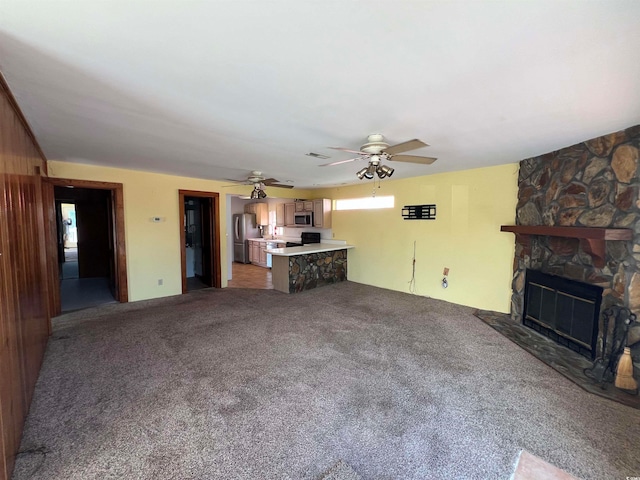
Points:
[306,238]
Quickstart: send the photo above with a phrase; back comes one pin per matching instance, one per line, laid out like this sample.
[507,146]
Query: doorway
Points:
[199,240]
[68,244]
[85,238]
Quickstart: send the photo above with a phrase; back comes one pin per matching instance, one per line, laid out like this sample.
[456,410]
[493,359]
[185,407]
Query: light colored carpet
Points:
[247,384]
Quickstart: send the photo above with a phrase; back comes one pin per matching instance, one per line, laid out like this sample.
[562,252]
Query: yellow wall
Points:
[153,249]
[465,237]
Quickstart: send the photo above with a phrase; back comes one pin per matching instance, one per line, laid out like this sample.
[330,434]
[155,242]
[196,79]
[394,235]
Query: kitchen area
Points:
[262,229]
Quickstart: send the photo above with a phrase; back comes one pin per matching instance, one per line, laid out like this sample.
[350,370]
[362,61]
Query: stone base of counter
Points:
[307,271]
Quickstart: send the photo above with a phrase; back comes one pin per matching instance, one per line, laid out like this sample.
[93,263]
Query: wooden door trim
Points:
[215,235]
[120,250]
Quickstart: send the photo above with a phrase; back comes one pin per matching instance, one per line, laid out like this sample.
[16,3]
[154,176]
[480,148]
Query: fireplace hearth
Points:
[564,310]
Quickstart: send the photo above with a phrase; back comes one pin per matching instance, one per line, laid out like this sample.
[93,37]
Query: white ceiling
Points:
[216,89]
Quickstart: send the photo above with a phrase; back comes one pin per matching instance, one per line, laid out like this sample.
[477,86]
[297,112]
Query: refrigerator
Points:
[244,227]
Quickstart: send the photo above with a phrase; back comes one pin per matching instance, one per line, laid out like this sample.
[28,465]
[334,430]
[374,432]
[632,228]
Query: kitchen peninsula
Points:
[295,269]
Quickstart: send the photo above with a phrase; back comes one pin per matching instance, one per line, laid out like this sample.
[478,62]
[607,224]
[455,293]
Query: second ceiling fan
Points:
[257,179]
[376,150]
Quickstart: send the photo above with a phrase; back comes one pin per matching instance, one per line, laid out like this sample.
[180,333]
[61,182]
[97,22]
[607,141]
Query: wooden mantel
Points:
[592,239]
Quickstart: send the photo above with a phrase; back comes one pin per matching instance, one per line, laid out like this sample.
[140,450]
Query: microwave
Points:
[303,219]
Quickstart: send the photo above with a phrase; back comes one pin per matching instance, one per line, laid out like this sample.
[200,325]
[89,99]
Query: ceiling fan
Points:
[258,181]
[377,150]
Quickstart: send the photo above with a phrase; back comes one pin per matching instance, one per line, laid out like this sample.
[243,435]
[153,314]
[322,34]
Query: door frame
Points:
[119,249]
[214,245]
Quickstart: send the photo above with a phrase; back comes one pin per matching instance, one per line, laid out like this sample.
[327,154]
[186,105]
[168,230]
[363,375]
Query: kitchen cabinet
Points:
[254,252]
[261,211]
[322,213]
[258,251]
[304,206]
[263,254]
[280,217]
[289,213]
[320,207]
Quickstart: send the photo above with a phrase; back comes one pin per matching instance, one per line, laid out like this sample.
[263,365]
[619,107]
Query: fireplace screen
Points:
[565,310]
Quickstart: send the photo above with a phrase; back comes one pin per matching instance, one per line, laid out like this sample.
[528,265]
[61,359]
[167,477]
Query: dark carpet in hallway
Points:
[247,384]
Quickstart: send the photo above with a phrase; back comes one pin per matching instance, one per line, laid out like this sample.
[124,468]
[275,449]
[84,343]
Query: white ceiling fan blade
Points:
[339,162]
[405,146]
[348,150]
[412,159]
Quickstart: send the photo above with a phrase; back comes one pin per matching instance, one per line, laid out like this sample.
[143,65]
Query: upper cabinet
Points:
[322,213]
[304,206]
[280,219]
[289,214]
[261,211]
[321,208]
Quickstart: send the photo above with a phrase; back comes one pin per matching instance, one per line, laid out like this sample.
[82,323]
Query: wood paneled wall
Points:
[24,314]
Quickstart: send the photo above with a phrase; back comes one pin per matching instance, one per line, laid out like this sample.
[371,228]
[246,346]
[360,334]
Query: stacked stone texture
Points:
[591,184]
[317,269]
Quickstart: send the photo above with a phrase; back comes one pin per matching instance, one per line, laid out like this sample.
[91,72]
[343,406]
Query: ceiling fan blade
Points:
[348,150]
[339,162]
[272,182]
[238,183]
[412,159]
[405,146]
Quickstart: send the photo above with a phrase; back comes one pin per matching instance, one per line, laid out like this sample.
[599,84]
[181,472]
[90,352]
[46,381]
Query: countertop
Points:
[267,240]
[309,248]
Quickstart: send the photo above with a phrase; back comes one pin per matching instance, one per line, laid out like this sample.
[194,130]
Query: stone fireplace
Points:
[564,310]
[578,218]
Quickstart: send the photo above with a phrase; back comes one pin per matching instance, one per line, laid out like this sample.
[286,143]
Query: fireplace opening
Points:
[564,310]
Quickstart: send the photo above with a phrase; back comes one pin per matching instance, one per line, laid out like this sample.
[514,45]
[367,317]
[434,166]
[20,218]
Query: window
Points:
[365,203]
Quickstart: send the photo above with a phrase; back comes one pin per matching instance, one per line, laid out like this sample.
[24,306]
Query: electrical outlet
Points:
[160,281]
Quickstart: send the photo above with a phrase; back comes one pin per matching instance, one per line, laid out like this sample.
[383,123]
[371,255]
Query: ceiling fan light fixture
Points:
[258,193]
[384,171]
[371,170]
[361,173]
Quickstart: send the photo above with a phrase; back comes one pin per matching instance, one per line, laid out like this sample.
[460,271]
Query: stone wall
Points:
[591,184]
[317,269]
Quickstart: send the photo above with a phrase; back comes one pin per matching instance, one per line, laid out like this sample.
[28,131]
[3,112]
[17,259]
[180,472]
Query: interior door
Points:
[111,230]
[92,216]
[206,217]
[60,237]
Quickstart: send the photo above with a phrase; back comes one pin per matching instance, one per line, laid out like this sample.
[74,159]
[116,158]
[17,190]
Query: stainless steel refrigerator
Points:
[244,227]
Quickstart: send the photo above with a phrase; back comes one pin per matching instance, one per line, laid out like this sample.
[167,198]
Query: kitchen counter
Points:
[267,240]
[309,248]
[295,269]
